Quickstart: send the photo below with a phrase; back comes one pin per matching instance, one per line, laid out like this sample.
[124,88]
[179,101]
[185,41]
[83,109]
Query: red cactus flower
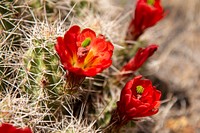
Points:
[140,57]
[147,14]
[83,53]
[138,99]
[8,128]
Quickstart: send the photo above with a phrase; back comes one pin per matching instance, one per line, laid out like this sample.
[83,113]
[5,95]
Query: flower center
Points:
[82,52]
[86,42]
[139,89]
[151,2]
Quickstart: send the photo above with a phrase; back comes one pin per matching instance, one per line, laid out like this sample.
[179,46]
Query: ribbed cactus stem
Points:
[42,69]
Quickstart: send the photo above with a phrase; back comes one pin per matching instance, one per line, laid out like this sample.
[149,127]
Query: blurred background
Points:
[177,63]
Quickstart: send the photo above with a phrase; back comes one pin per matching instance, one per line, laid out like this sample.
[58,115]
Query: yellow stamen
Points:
[151,2]
[139,89]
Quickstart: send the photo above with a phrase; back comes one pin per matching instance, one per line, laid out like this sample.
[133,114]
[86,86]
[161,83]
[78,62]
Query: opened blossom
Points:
[8,128]
[138,99]
[140,57]
[147,14]
[84,53]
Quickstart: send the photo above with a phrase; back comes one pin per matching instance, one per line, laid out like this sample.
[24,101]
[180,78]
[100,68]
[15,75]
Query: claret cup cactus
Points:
[83,54]
[65,73]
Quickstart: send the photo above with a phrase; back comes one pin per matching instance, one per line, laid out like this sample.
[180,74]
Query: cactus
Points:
[10,41]
[47,103]
[42,74]
[42,67]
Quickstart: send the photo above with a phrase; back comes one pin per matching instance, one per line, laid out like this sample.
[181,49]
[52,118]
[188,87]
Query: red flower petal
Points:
[140,57]
[145,16]
[87,60]
[133,104]
[70,36]
[86,33]
[8,128]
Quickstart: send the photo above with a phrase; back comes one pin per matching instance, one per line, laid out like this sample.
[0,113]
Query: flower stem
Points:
[116,123]
[74,81]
